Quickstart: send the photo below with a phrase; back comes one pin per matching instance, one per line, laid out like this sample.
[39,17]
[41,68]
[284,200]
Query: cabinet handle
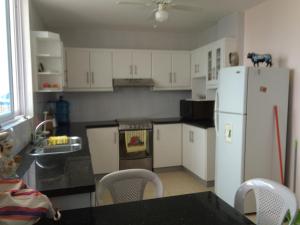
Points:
[198,68]
[87,78]
[131,69]
[214,73]
[191,136]
[174,75]
[195,68]
[115,137]
[93,78]
[135,70]
[170,78]
[157,135]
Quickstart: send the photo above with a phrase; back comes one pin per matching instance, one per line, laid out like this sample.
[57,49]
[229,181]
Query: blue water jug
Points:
[62,111]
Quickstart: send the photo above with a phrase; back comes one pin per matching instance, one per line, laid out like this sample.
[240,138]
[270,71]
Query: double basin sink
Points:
[43,148]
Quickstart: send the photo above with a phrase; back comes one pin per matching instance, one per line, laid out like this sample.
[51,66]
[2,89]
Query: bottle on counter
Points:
[62,111]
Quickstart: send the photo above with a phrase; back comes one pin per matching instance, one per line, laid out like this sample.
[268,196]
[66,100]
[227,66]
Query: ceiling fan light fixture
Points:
[161,15]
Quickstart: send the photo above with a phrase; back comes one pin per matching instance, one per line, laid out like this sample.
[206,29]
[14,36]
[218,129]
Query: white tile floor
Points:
[175,182]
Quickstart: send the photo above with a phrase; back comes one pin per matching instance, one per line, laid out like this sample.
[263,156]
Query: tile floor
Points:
[175,182]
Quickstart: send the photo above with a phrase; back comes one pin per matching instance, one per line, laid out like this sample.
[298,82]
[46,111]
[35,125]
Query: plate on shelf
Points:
[49,73]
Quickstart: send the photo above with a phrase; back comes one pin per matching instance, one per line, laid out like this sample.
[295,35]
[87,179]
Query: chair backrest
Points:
[127,185]
[273,201]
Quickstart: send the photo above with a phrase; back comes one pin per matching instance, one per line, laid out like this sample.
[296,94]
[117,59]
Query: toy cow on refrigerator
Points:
[257,58]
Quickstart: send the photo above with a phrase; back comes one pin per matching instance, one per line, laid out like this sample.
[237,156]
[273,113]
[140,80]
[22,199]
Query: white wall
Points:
[99,38]
[229,26]
[124,103]
[273,27]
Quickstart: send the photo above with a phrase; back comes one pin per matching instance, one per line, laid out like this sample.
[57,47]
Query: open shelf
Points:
[49,73]
[48,62]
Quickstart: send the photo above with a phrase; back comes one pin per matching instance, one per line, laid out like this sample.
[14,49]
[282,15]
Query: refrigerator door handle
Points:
[216,114]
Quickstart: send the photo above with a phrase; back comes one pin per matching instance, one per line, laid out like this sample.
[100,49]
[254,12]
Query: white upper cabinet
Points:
[198,63]
[131,64]
[181,70]
[122,65]
[217,56]
[89,69]
[171,70]
[161,69]
[141,62]
[78,68]
[101,69]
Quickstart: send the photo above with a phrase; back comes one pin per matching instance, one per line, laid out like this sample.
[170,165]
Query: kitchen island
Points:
[200,208]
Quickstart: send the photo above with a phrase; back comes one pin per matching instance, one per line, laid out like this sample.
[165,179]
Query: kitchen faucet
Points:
[38,137]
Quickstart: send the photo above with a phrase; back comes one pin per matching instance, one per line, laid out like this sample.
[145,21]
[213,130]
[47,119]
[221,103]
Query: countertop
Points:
[72,173]
[62,174]
[199,208]
[199,123]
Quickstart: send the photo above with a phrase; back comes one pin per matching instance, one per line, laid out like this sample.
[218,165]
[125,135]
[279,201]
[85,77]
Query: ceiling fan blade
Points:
[188,8]
[134,3]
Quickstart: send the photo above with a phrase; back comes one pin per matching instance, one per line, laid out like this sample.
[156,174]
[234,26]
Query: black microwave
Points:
[197,110]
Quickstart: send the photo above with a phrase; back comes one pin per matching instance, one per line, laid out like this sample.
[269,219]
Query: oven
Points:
[139,133]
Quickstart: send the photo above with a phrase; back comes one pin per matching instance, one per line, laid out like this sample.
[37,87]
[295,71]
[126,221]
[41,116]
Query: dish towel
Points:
[20,205]
[135,141]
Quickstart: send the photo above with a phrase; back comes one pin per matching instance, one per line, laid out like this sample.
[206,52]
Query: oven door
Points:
[125,155]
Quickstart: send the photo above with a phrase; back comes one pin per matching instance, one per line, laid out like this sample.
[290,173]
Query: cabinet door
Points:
[101,69]
[195,63]
[78,68]
[122,66]
[181,70]
[199,163]
[167,145]
[187,147]
[104,149]
[141,62]
[162,69]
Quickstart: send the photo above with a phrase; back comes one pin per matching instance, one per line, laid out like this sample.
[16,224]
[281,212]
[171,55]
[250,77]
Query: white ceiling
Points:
[107,14]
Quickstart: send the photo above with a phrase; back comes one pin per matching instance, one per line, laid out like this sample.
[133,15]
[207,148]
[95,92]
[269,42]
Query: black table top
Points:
[193,209]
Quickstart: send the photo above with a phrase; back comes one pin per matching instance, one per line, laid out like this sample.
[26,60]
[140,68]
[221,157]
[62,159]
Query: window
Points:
[15,61]
[6,84]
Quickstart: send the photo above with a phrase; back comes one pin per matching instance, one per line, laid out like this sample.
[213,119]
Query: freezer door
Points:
[229,170]
[232,90]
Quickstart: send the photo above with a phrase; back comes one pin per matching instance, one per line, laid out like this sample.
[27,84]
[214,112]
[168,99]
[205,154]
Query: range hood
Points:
[133,82]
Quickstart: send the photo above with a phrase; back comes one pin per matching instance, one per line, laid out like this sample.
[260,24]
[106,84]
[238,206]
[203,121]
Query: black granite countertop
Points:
[64,174]
[72,173]
[200,208]
[199,123]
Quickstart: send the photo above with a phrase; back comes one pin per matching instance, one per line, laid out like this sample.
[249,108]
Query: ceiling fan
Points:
[160,13]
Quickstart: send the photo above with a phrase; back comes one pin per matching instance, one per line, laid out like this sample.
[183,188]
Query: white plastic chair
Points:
[273,201]
[127,185]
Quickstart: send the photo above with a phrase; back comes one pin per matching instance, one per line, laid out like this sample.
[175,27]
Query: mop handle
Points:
[278,143]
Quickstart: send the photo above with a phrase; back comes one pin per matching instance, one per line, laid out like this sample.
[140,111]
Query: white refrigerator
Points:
[246,145]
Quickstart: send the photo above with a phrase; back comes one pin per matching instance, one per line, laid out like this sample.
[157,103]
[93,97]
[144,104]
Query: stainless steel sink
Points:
[74,145]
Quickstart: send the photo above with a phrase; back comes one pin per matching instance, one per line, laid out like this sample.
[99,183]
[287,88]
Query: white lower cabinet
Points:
[198,151]
[104,149]
[167,141]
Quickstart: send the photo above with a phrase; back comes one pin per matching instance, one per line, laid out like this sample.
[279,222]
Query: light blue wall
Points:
[124,103]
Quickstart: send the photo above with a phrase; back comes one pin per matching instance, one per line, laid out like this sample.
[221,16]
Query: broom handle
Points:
[295,165]
[279,143]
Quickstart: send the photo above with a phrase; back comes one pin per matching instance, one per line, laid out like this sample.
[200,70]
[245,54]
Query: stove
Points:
[135,124]
[136,159]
